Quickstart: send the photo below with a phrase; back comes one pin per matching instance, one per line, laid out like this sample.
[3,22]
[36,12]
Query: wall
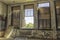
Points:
[39,33]
[3,11]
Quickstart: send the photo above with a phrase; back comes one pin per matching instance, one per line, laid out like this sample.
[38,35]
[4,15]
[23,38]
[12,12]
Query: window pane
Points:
[29,22]
[58,13]
[28,12]
[43,5]
[29,18]
[44,16]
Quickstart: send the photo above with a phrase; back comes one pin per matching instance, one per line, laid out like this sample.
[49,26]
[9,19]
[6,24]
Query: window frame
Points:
[24,17]
[12,20]
[56,15]
[49,16]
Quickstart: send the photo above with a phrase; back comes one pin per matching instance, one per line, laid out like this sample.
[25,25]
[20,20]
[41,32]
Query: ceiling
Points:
[14,1]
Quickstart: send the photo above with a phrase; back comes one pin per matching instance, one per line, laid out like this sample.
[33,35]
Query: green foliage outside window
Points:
[30,25]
